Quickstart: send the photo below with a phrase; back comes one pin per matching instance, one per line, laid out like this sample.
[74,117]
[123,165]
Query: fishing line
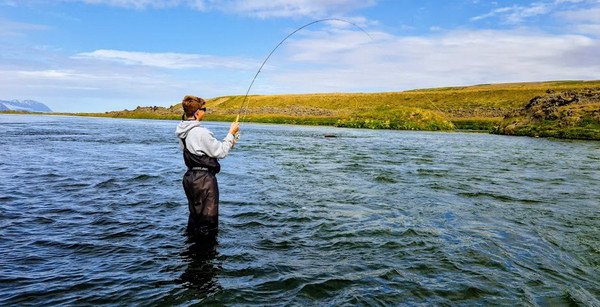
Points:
[245,102]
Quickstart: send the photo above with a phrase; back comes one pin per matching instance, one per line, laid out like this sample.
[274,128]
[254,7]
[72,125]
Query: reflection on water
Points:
[201,270]
[92,211]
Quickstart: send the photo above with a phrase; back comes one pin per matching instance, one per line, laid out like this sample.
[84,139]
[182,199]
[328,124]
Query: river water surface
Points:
[92,211]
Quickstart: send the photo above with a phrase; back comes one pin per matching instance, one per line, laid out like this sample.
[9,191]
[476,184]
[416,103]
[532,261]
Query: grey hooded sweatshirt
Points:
[200,141]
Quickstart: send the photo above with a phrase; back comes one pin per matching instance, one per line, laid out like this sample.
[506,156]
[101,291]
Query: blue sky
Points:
[101,55]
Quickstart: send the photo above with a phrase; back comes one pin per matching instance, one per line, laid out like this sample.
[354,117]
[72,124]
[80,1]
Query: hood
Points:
[185,126]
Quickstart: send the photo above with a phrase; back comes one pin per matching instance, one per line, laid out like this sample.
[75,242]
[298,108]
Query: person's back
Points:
[201,152]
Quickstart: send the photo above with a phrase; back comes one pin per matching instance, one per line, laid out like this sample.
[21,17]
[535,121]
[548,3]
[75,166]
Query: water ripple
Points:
[367,218]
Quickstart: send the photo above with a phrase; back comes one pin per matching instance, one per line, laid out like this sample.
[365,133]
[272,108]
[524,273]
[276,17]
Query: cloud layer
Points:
[12,28]
[328,57]
[346,61]
[516,14]
[257,8]
[168,60]
[332,59]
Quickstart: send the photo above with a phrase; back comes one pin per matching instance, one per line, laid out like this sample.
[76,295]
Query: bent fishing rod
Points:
[245,103]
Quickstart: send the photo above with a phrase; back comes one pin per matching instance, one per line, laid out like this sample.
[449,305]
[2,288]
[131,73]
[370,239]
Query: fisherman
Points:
[201,151]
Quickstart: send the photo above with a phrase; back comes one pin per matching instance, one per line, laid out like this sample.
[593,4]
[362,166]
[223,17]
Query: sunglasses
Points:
[202,109]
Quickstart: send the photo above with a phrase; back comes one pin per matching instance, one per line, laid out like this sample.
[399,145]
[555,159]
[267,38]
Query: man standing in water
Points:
[201,151]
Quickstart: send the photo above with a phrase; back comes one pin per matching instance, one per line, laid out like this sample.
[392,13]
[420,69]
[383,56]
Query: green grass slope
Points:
[479,107]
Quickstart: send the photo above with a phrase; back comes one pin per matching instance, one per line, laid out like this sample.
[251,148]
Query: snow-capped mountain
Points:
[23,105]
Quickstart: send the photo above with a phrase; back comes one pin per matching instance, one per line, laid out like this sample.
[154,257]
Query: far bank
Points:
[562,109]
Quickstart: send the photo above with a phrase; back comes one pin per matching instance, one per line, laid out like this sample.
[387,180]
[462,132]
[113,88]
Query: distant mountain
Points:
[23,105]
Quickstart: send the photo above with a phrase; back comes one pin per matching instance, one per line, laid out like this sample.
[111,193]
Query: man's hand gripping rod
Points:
[236,136]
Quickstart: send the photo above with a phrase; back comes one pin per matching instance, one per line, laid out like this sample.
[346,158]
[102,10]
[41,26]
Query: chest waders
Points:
[202,191]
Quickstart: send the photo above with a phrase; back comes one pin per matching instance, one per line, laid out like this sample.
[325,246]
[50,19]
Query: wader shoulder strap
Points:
[202,160]
[185,145]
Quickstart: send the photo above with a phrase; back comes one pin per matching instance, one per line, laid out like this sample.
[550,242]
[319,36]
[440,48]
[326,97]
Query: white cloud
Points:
[571,16]
[168,60]
[290,8]
[256,8]
[110,87]
[343,22]
[336,58]
[591,15]
[72,83]
[582,20]
[516,14]
[347,61]
[589,29]
[137,4]
[46,74]
[331,60]
[14,28]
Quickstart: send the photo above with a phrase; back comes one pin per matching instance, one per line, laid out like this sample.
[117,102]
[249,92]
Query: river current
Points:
[92,211]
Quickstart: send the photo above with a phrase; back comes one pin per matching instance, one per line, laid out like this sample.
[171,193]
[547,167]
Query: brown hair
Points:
[191,104]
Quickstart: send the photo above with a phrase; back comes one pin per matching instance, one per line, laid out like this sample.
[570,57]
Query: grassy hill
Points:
[479,107]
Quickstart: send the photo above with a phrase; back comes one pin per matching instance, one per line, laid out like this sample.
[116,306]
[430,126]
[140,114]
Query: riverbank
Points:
[484,107]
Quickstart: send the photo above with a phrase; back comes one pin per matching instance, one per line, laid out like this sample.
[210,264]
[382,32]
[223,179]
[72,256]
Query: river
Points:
[92,211]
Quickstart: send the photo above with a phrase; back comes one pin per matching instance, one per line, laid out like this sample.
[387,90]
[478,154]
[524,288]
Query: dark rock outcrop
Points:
[564,114]
[548,107]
